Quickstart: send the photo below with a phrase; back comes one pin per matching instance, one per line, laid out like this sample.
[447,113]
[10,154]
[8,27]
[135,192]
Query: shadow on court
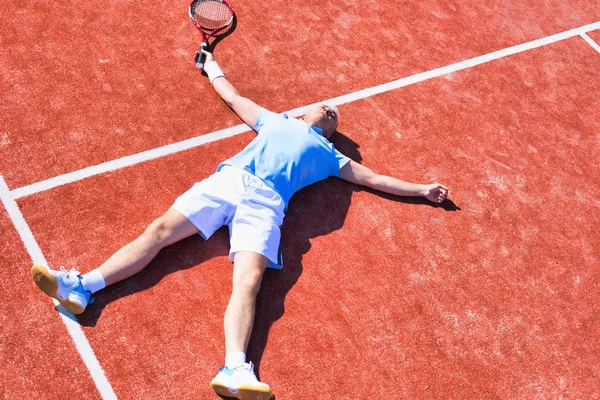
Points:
[187,253]
[447,205]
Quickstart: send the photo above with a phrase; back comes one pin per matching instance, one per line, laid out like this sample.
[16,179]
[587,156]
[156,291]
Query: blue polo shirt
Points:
[288,154]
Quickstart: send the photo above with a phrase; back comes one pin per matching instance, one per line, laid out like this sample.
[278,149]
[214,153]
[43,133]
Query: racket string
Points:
[211,14]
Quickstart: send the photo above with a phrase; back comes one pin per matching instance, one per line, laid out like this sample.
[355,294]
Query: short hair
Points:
[337,113]
[334,108]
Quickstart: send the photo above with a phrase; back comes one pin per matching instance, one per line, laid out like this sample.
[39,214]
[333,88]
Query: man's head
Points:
[324,117]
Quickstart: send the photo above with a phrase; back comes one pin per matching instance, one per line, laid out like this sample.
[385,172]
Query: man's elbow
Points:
[230,98]
[236,102]
[228,93]
[375,181]
[379,182]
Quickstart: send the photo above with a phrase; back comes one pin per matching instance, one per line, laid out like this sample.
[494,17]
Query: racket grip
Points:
[200,57]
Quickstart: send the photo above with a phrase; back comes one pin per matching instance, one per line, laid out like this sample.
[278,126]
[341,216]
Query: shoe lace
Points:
[70,277]
[249,366]
[68,281]
[69,272]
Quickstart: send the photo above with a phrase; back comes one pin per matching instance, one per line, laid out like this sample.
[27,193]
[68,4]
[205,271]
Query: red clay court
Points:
[492,295]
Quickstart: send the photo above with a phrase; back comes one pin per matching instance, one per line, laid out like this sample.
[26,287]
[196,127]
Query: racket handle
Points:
[200,57]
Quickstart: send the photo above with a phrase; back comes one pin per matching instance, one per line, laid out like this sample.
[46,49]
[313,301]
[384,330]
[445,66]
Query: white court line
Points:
[73,328]
[238,129]
[127,161]
[591,42]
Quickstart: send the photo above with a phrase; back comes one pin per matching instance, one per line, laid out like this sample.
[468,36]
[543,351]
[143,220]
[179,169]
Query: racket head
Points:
[210,16]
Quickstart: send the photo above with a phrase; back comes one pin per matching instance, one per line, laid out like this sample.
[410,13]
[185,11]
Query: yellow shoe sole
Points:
[44,280]
[247,392]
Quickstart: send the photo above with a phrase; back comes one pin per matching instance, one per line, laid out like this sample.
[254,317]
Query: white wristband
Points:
[213,71]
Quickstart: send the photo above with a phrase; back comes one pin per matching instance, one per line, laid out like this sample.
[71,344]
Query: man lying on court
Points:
[249,193]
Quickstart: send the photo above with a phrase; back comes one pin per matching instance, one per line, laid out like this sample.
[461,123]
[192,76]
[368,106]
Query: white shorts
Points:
[251,209]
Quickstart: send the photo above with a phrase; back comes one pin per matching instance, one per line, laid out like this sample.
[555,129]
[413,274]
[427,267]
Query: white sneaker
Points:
[241,383]
[64,286]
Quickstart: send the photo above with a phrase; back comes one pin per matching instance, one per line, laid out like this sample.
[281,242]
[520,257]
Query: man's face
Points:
[324,117]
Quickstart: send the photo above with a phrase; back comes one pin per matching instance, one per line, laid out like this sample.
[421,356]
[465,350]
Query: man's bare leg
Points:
[73,290]
[135,256]
[237,378]
[248,270]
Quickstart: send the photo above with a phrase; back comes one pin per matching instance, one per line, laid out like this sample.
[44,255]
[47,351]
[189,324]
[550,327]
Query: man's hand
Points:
[209,56]
[436,192]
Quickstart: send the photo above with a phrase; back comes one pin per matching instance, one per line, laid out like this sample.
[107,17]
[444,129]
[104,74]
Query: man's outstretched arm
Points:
[245,108]
[361,175]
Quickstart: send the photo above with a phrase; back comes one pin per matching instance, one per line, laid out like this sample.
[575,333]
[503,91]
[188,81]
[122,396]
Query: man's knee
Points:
[158,231]
[248,281]
[169,228]
[248,269]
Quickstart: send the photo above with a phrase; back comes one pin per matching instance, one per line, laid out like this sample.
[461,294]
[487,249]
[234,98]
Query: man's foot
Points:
[63,286]
[241,383]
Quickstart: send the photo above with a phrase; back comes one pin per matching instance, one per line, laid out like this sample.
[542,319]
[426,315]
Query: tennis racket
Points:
[210,17]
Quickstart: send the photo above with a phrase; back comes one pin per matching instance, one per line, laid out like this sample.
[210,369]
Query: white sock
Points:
[235,359]
[93,281]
